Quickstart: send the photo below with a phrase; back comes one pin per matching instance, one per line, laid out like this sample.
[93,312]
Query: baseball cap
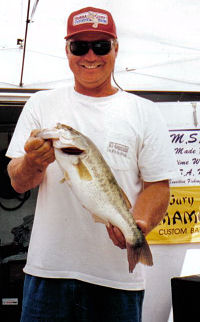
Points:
[91,19]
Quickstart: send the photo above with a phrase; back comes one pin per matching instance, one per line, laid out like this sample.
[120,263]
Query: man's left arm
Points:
[151,205]
[149,209]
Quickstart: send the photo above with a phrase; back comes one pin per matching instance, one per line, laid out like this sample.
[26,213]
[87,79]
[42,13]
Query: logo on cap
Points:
[90,17]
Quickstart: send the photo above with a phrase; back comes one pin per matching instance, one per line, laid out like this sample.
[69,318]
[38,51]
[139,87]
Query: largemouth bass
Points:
[92,181]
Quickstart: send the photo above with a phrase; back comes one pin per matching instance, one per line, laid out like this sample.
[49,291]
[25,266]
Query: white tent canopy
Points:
[159,43]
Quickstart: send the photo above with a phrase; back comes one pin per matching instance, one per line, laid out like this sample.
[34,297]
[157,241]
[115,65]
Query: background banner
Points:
[181,223]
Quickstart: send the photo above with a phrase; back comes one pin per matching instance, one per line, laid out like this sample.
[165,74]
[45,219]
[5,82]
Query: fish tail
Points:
[139,254]
[133,255]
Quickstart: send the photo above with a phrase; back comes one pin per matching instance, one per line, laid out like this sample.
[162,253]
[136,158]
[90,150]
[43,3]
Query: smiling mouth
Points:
[91,66]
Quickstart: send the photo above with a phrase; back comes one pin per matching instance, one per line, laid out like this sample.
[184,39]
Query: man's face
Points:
[92,71]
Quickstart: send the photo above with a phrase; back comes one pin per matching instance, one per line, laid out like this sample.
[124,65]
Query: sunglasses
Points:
[99,47]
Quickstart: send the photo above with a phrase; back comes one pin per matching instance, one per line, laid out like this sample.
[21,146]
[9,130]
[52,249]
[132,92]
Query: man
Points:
[73,270]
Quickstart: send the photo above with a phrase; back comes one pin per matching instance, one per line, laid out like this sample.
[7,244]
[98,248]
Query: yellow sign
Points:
[181,223]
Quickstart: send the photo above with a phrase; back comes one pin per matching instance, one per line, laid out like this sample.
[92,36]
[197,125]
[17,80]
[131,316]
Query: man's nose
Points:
[90,55]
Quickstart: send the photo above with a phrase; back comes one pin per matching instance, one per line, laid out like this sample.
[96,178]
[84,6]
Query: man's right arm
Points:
[27,172]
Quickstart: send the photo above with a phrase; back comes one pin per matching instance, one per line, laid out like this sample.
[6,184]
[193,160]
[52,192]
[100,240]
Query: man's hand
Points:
[39,152]
[27,172]
[118,238]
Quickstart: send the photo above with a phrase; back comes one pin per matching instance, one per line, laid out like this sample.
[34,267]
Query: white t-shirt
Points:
[133,138]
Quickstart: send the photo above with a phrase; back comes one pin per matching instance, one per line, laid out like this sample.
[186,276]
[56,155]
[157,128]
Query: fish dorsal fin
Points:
[128,204]
[83,171]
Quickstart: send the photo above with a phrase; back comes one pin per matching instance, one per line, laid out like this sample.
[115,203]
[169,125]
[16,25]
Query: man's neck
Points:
[99,91]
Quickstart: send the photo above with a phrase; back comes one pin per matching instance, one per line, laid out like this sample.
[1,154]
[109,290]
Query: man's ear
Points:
[116,44]
[66,49]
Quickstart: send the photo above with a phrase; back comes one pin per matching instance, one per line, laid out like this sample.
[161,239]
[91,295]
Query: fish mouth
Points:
[72,151]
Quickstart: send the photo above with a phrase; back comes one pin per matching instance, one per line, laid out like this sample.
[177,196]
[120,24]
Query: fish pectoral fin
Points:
[83,171]
[128,204]
[66,176]
[99,219]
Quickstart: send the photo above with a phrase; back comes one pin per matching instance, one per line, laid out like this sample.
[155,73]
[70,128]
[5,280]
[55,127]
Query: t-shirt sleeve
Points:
[156,159]
[26,123]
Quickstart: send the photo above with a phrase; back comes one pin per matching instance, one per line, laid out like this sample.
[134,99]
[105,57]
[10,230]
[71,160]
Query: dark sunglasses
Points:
[99,47]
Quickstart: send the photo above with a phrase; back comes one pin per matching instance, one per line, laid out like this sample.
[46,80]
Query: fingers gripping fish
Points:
[92,181]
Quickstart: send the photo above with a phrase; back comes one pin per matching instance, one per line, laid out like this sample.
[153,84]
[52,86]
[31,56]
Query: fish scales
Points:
[104,177]
[109,185]
[99,169]
[104,193]
[93,183]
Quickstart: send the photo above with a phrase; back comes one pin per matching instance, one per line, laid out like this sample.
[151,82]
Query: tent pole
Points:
[24,50]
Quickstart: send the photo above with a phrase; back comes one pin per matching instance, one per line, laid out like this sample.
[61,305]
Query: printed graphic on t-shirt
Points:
[118,148]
